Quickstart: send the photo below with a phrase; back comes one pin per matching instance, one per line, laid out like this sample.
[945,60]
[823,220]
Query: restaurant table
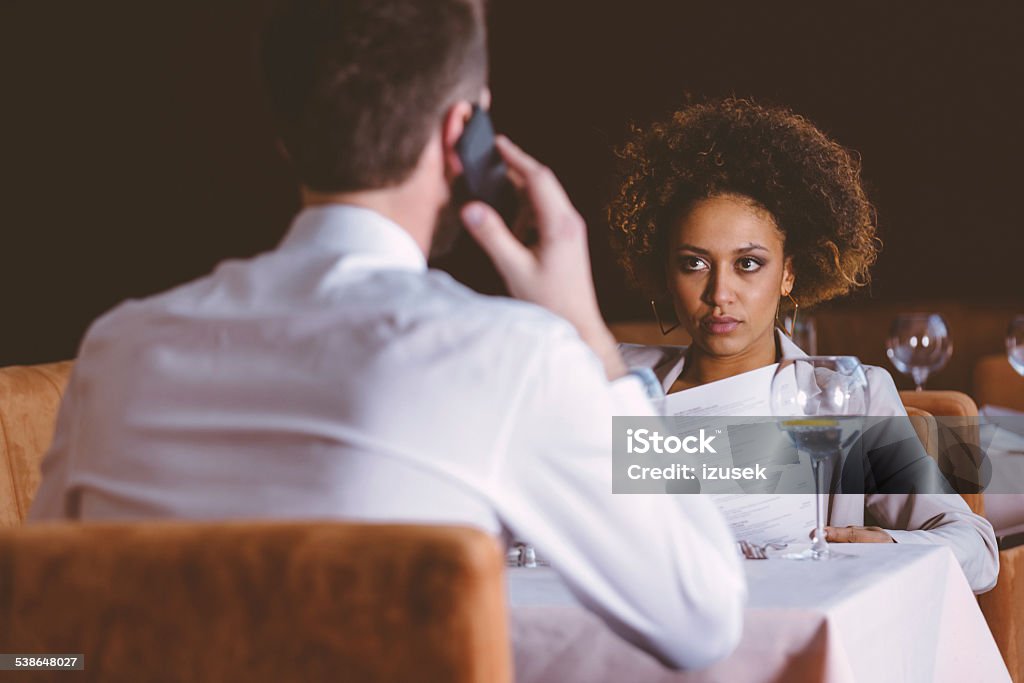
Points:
[883,612]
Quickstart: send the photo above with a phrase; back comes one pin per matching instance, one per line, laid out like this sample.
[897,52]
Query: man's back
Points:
[332,377]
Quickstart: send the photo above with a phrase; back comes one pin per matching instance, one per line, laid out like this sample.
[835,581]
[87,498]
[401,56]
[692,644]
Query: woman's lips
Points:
[723,325]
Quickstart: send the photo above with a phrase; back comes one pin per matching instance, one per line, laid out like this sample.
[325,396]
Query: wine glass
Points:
[822,399]
[918,345]
[521,554]
[1015,344]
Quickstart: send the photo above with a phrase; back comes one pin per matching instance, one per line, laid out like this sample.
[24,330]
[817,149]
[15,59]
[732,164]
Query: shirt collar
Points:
[788,347]
[355,230]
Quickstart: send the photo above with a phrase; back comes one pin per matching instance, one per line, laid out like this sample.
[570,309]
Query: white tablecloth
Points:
[883,613]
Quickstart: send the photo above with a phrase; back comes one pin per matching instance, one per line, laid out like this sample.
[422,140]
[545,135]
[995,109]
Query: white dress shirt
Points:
[338,377]
[913,518]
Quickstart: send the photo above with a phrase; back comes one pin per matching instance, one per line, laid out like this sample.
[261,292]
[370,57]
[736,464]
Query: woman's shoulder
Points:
[880,376]
[885,397]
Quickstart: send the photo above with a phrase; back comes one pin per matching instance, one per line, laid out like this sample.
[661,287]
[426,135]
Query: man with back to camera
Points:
[337,377]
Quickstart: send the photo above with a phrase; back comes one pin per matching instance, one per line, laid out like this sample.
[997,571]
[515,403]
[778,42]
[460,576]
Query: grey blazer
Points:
[909,518]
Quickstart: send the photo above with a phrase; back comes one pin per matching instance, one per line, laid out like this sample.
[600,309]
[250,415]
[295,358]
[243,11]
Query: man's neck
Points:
[398,204]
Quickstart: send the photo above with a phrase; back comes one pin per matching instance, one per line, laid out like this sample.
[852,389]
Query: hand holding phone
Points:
[485,174]
[554,271]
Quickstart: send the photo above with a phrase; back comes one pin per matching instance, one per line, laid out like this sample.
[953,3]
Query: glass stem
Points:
[819,546]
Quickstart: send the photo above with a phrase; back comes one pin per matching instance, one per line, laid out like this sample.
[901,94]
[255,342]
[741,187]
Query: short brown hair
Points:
[355,86]
[809,184]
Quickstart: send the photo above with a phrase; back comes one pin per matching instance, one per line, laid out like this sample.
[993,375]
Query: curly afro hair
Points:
[809,184]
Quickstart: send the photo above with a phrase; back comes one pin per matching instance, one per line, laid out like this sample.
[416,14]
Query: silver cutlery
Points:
[753,551]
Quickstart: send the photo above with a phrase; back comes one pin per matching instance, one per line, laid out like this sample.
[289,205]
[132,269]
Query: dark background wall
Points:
[137,152]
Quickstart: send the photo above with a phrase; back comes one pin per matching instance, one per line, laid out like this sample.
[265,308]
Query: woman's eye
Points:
[748,265]
[692,264]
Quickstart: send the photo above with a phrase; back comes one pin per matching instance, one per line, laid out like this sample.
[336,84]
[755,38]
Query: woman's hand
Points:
[857,534]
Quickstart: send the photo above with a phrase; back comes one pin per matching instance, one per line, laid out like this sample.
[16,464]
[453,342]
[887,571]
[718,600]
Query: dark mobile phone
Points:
[485,174]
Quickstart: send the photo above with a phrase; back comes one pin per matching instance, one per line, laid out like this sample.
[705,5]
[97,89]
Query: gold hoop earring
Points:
[661,325]
[796,309]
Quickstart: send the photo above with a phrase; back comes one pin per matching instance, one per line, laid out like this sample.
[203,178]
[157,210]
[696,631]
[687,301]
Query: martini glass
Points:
[820,401]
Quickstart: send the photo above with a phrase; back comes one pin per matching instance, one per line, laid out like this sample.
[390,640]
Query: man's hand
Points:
[857,534]
[554,272]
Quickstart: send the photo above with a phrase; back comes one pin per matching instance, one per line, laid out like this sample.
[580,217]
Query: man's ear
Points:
[454,124]
[788,276]
[451,130]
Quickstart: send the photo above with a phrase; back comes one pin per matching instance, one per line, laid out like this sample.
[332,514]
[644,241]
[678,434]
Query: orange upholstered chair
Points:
[243,601]
[996,383]
[959,414]
[29,398]
[259,602]
[926,429]
[1003,606]
[944,403]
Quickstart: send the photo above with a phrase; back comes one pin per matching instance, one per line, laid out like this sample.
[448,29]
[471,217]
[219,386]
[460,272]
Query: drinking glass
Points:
[918,345]
[822,399]
[1015,344]
[521,554]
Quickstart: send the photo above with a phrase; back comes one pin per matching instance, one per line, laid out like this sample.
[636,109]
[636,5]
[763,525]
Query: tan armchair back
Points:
[960,415]
[997,383]
[259,602]
[29,399]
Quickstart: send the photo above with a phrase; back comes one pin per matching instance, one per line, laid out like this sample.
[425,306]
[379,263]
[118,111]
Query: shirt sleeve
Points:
[661,570]
[942,519]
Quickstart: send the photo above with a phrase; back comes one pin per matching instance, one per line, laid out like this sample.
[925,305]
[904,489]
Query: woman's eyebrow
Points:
[751,247]
[742,250]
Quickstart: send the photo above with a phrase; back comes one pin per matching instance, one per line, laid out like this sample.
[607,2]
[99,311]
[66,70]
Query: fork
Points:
[752,551]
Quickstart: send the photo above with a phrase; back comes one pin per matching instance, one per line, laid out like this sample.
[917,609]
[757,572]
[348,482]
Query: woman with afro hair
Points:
[729,212]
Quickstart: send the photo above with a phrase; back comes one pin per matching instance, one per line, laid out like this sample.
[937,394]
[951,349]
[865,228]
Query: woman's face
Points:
[726,272]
